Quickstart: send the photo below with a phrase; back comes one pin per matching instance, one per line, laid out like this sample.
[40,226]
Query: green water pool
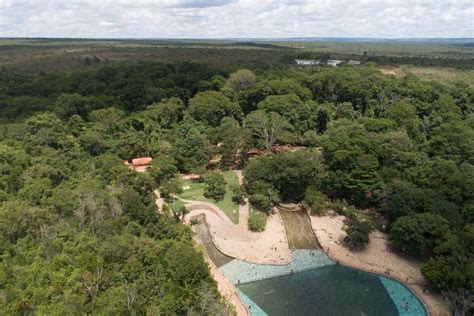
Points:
[312,284]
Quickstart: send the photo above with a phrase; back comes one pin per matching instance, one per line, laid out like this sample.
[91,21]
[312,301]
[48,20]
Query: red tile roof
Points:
[252,151]
[141,161]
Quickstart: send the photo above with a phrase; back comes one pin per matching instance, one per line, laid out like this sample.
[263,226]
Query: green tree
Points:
[166,113]
[211,106]
[418,234]
[267,127]
[404,114]
[162,168]
[191,148]
[233,141]
[358,231]
[215,186]
[257,221]
[242,79]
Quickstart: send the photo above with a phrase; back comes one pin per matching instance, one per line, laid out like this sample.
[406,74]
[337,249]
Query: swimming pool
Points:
[312,284]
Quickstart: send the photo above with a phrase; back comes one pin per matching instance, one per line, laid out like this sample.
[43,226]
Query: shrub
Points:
[257,221]
[357,231]
[317,202]
[260,201]
[238,195]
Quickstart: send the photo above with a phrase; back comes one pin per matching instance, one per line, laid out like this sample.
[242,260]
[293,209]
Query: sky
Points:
[237,18]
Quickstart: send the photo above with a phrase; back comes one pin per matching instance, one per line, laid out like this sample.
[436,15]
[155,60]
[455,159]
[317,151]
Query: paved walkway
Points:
[236,240]
[239,272]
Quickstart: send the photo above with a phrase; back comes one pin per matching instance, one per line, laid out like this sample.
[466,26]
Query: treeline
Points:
[128,87]
[404,148]
[459,63]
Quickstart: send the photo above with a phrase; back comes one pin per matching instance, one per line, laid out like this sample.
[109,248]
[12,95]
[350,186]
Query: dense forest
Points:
[79,231]
[42,55]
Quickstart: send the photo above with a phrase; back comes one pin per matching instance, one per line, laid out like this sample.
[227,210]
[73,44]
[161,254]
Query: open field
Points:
[444,75]
[196,192]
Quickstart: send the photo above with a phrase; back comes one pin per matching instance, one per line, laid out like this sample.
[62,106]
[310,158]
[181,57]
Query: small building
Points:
[191,176]
[334,62]
[140,164]
[353,62]
[307,62]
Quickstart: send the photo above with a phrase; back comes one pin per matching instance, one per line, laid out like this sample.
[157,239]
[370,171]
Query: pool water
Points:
[314,285]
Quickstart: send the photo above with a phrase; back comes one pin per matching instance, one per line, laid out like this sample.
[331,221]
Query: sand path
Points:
[236,240]
[376,257]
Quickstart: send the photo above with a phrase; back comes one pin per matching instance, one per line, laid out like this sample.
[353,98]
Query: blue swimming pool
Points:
[314,285]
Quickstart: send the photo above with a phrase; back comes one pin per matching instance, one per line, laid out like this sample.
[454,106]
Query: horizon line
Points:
[239,38]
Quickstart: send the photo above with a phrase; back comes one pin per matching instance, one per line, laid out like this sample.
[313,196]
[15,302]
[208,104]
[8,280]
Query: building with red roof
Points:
[139,164]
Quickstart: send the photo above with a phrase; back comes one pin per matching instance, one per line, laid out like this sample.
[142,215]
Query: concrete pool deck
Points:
[241,273]
[238,271]
[376,258]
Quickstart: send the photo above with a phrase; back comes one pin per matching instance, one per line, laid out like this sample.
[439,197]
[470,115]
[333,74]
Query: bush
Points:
[238,195]
[257,221]
[339,206]
[317,202]
[358,231]
[260,201]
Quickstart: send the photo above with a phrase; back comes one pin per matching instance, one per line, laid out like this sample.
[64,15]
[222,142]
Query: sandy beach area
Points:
[376,257]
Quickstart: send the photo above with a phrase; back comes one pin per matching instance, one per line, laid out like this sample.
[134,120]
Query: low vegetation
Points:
[257,221]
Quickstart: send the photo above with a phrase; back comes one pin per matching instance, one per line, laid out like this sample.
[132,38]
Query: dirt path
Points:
[377,258]
[243,209]
[159,201]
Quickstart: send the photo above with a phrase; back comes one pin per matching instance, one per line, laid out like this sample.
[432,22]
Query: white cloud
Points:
[237,18]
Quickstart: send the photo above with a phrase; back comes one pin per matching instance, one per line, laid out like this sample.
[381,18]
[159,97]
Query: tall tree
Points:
[267,127]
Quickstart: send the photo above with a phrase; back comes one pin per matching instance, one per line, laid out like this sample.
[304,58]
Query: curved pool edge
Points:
[237,270]
[426,306]
[428,309]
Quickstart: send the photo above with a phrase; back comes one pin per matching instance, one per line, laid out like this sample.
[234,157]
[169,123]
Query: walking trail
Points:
[236,240]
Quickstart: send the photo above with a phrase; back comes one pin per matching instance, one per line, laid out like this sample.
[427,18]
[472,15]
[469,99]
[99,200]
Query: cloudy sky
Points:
[236,18]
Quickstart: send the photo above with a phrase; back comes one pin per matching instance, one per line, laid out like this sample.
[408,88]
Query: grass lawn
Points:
[444,75]
[196,192]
